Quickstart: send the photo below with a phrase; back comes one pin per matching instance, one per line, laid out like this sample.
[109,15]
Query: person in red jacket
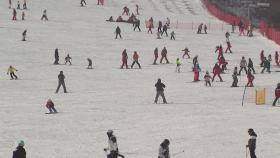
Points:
[50,106]
[222,61]
[277,94]
[14,14]
[124,59]
[164,55]
[219,49]
[250,78]
[156,56]
[186,52]
[196,71]
[125,10]
[217,72]
[262,57]
[276,57]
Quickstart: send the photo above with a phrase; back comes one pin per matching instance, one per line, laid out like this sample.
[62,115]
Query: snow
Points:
[202,121]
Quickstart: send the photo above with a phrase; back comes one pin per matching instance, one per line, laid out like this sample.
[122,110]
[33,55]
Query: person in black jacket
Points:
[164,30]
[252,142]
[24,35]
[266,65]
[234,77]
[160,88]
[137,25]
[251,66]
[20,151]
[118,32]
[89,63]
[56,56]
[61,78]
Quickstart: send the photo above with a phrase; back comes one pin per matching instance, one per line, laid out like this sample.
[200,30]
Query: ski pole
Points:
[246,152]
[180,152]
[244,94]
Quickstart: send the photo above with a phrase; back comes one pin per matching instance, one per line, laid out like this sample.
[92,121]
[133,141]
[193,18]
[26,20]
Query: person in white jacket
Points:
[164,149]
[112,146]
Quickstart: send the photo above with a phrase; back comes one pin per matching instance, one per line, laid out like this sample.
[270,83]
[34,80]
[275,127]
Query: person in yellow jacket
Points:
[178,65]
[12,70]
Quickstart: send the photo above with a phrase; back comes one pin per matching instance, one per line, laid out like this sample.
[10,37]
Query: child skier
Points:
[172,35]
[11,71]
[186,52]
[156,56]
[164,55]
[235,78]
[124,59]
[217,72]
[118,32]
[207,78]
[24,35]
[89,63]
[243,65]
[199,28]
[277,94]
[164,149]
[262,58]
[250,78]
[112,149]
[44,16]
[68,59]
[50,106]
[135,60]
[56,57]
[178,65]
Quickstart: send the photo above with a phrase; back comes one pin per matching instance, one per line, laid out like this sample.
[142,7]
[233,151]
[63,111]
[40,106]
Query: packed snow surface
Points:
[203,121]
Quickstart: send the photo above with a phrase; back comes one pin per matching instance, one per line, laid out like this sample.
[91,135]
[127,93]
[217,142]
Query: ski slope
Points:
[203,121]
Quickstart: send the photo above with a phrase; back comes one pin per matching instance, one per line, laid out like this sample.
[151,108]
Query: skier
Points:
[56,56]
[195,60]
[135,60]
[44,16]
[207,78]
[24,35]
[124,59]
[118,32]
[20,151]
[222,61]
[250,78]
[220,51]
[137,25]
[199,28]
[137,9]
[18,5]
[24,6]
[276,57]
[269,58]
[164,55]
[125,10]
[252,142]
[11,71]
[233,27]
[83,2]
[277,94]
[266,65]
[159,27]
[262,57]
[234,77]
[172,35]
[227,36]
[164,30]
[156,56]
[164,149]
[23,16]
[205,29]
[112,146]
[196,70]
[150,25]
[61,78]
[89,63]
[50,106]
[251,66]
[228,47]
[160,91]
[100,2]
[68,59]
[243,65]
[167,22]
[178,65]
[217,72]
[14,14]
[186,52]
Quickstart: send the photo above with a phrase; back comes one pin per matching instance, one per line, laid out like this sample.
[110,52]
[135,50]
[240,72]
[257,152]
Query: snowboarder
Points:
[199,28]
[196,70]
[118,32]
[276,57]
[124,59]
[277,94]
[243,65]
[252,142]
[137,25]
[61,81]
[20,151]
[164,149]
[164,30]
[23,16]
[68,59]
[89,63]
[172,35]
[14,14]
[156,56]
[207,78]
[266,65]
[228,47]
[18,5]
[135,60]
[50,106]
[125,10]
[251,66]
[112,146]
[83,2]
[160,91]
[186,52]
[235,78]
[56,56]
[24,6]
[164,55]
[178,65]
[44,16]
[137,9]
[11,71]
[250,78]
[217,72]
[24,35]
[205,29]
[159,27]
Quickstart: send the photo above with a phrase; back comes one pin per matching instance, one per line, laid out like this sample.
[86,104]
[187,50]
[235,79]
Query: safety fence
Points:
[269,32]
